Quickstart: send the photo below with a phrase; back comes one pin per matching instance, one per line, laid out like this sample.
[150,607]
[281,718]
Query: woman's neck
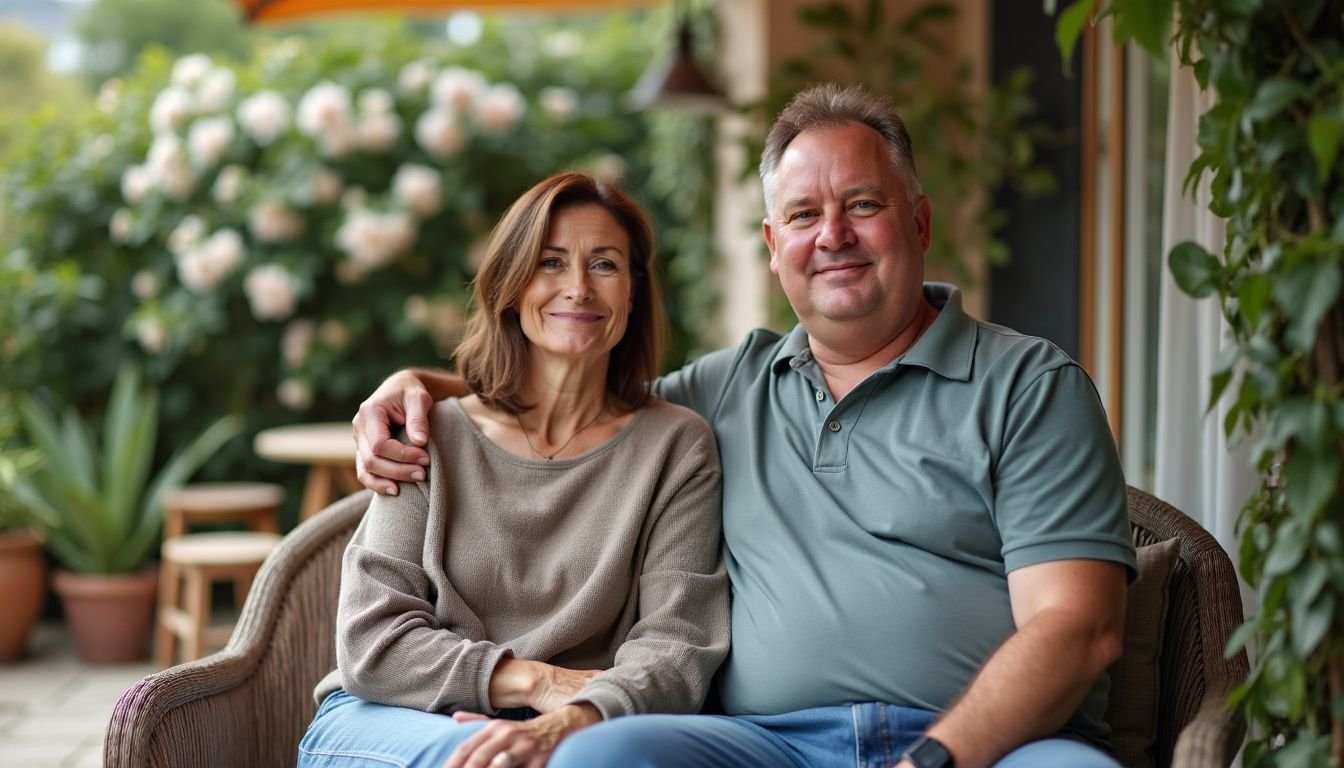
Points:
[565,394]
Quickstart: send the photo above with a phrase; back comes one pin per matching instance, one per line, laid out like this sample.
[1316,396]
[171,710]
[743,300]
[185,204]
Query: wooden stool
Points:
[191,564]
[255,505]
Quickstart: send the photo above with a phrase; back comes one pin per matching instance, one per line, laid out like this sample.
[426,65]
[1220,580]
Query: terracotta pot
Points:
[109,615]
[23,587]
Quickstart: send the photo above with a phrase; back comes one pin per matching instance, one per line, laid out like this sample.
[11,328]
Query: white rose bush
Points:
[273,237]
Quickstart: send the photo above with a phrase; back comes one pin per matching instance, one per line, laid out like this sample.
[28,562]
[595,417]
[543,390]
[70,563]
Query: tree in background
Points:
[26,85]
[115,32]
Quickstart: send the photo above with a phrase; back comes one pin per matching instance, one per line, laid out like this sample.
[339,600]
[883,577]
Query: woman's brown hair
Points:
[492,357]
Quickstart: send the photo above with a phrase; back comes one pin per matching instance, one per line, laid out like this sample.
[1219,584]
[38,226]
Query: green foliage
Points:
[17,461]
[115,32]
[967,143]
[94,494]
[106,249]
[1270,148]
[26,85]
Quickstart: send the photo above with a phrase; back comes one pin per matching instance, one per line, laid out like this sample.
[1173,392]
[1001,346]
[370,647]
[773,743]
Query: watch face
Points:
[928,753]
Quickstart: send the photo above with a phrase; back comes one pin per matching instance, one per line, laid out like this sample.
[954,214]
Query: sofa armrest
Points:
[1212,738]
[249,703]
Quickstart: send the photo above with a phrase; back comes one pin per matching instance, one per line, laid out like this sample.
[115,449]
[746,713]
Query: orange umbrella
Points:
[289,10]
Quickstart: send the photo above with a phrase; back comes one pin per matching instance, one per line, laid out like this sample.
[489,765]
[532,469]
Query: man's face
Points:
[847,244]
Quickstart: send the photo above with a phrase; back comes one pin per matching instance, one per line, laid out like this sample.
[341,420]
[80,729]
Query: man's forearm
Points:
[1028,689]
[440,383]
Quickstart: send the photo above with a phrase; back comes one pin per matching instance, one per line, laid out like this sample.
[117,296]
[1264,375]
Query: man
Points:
[924,515]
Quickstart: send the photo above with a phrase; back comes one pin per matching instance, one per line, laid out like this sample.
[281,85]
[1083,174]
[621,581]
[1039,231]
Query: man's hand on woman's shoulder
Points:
[380,459]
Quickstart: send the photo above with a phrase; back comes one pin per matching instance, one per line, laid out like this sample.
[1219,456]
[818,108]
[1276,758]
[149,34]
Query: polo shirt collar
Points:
[946,348]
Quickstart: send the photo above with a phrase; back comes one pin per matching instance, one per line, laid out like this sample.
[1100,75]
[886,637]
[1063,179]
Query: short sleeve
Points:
[1059,491]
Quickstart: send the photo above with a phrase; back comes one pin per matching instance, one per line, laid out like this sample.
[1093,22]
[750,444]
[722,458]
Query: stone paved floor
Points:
[53,709]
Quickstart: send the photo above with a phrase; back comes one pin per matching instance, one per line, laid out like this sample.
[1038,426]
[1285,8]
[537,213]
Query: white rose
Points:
[208,140]
[350,273]
[326,106]
[186,235]
[272,292]
[326,187]
[109,96]
[228,184]
[418,188]
[202,266]
[372,239]
[271,221]
[445,324]
[416,310]
[609,167]
[151,334]
[378,131]
[296,342]
[189,70]
[559,103]
[177,181]
[500,109]
[119,226]
[353,198]
[563,44]
[438,133]
[168,169]
[375,101]
[145,285]
[334,334]
[170,109]
[415,77]
[215,90]
[294,394]
[264,116]
[338,141]
[135,183]
[457,89]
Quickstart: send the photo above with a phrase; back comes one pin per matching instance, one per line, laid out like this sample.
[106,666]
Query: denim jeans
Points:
[348,731]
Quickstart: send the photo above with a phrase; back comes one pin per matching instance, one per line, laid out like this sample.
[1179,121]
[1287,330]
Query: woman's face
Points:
[579,299]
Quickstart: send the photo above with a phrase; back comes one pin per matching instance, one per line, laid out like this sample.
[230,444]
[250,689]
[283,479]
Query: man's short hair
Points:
[493,356]
[829,105]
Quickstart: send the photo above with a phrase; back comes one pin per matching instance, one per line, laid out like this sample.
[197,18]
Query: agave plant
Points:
[16,462]
[101,509]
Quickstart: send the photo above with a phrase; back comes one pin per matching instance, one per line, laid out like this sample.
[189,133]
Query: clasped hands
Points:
[527,743]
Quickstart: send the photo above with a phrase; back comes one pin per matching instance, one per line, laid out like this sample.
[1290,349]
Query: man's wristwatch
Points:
[927,752]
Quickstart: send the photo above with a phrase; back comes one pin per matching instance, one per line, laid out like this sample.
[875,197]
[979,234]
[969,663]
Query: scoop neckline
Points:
[591,453]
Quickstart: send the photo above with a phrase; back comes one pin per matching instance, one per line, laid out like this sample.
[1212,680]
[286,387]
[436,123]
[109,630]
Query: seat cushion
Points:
[1134,677]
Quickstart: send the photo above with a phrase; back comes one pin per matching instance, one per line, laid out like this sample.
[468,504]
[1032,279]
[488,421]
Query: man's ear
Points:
[924,221]
[769,234]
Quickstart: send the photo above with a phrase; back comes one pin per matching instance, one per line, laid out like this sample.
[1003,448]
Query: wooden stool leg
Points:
[165,638]
[198,611]
[266,520]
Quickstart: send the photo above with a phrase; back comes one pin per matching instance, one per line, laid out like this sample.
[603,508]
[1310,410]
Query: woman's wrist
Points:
[513,683]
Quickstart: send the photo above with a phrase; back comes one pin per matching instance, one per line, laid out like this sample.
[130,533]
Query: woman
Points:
[560,564]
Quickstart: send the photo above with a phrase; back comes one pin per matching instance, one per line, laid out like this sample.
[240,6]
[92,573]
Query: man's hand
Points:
[401,399]
[523,744]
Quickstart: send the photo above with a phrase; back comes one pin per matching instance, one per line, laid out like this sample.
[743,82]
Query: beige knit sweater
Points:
[609,560]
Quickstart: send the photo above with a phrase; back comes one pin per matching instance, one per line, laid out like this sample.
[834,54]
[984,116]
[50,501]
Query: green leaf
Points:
[1306,292]
[1286,553]
[1323,135]
[1069,27]
[1240,638]
[1310,479]
[1273,96]
[1253,292]
[1196,270]
[1147,22]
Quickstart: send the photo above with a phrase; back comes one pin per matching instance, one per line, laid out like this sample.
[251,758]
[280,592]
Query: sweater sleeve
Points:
[669,657]
[390,647]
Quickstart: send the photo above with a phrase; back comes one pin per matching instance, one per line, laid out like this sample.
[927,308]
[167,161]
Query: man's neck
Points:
[845,365]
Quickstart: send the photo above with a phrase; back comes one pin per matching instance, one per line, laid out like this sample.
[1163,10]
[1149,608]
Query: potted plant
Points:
[23,566]
[103,511]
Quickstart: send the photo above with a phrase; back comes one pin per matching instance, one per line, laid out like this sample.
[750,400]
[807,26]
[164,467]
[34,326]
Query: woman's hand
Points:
[401,399]
[543,687]
[521,743]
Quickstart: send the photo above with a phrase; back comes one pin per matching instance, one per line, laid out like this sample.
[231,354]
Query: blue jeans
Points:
[348,731]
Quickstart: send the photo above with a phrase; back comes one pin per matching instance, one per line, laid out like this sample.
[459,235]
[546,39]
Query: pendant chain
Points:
[575,434]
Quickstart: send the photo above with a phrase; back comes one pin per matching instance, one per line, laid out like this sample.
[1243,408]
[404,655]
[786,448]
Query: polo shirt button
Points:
[834,425]
[820,395]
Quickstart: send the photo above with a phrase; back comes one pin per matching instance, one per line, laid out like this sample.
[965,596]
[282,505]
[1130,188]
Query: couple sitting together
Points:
[923,549]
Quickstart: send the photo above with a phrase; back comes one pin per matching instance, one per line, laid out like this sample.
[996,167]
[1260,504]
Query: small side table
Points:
[329,451]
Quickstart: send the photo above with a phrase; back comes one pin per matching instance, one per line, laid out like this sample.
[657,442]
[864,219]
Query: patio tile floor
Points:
[54,709]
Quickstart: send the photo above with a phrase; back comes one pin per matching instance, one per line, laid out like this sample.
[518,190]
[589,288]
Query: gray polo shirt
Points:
[868,541]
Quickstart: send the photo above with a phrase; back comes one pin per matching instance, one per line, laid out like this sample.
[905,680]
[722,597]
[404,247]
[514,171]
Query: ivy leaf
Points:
[1306,292]
[1069,27]
[1323,137]
[1273,96]
[1147,22]
[1195,269]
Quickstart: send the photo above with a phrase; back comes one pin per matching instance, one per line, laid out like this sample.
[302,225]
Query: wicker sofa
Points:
[250,703]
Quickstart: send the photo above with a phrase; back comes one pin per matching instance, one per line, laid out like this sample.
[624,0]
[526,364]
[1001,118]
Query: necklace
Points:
[570,439]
